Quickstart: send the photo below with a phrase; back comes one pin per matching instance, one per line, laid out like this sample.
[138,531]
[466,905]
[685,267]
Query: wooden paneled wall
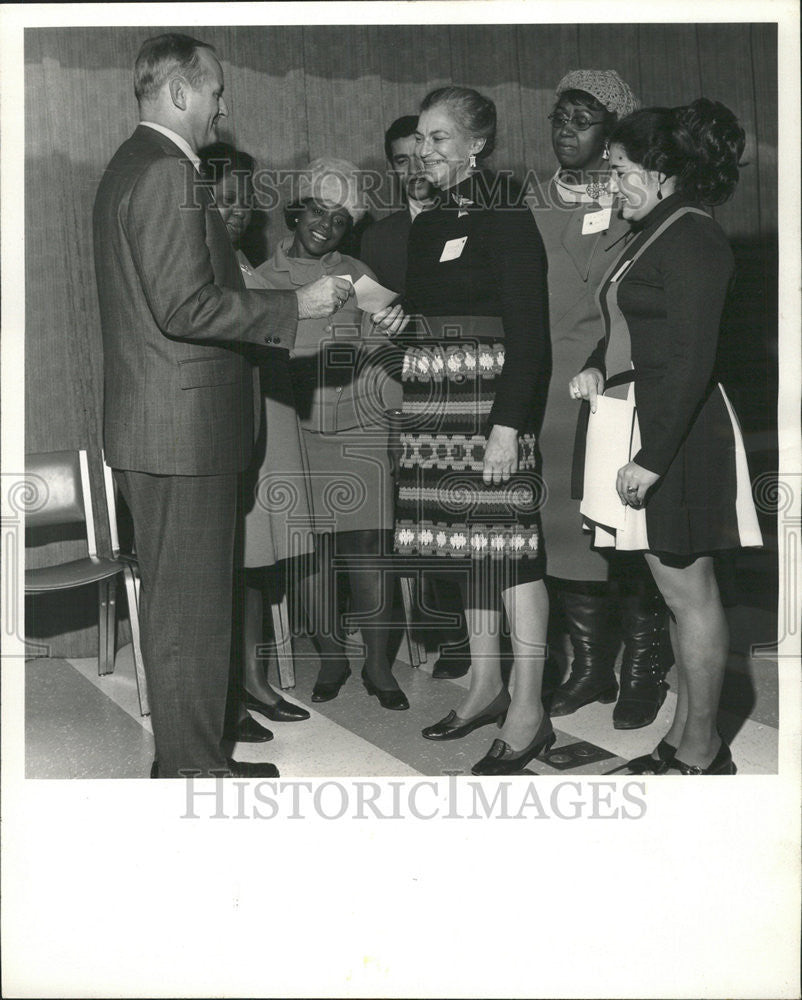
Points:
[295,93]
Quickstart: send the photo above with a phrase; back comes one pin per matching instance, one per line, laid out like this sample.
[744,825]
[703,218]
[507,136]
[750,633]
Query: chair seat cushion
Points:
[71,574]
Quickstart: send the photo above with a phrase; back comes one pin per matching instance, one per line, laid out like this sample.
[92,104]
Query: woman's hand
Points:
[632,482]
[587,385]
[501,454]
[391,320]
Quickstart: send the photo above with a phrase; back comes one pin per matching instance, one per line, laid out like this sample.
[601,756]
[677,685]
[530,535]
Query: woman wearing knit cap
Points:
[582,232]
[685,488]
[342,379]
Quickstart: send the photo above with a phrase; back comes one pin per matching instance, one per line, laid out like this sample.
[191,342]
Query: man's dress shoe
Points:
[238,768]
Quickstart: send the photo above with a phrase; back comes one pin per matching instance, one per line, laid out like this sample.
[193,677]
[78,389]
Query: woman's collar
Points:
[582,194]
[661,211]
[283,262]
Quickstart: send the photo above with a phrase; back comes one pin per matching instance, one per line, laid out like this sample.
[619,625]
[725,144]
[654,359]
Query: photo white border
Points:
[108,891]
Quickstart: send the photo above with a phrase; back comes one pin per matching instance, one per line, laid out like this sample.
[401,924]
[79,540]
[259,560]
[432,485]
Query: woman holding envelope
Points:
[342,376]
[683,485]
[475,381]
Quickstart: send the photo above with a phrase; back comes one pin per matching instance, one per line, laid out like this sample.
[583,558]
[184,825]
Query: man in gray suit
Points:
[179,415]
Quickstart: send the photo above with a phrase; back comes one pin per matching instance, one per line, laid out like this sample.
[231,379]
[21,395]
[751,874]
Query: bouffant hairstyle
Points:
[700,144]
[474,113]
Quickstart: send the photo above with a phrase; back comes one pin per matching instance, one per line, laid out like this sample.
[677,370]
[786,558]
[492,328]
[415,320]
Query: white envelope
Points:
[607,448]
[371,297]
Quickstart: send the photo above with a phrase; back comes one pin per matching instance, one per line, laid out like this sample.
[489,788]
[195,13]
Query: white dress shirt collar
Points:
[416,207]
[180,141]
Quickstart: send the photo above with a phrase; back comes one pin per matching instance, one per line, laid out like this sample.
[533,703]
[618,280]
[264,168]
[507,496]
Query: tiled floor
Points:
[79,725]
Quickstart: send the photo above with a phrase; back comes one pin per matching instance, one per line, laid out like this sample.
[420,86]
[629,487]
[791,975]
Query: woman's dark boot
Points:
[647,659]
[589,616]
[555,667]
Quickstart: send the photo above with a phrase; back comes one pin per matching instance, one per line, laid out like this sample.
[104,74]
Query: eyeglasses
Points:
[581,122]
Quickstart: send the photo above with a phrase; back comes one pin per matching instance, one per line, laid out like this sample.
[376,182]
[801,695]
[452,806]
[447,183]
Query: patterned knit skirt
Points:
[443,508]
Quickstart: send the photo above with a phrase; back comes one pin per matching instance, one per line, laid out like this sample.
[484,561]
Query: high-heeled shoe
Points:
[722,763]
[502,759]
[452,727]
[247,730]
[394,699]
[454,661]
[327,690]
[282,711]
[648,764]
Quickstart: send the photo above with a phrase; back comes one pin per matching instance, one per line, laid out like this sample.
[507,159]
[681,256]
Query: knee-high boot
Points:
[646,661]
[588,612]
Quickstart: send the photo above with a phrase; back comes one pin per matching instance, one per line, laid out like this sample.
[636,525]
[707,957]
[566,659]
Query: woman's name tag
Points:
[596,222]
[453,249]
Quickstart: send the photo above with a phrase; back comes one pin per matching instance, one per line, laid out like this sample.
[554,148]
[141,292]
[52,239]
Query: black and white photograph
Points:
[401,426]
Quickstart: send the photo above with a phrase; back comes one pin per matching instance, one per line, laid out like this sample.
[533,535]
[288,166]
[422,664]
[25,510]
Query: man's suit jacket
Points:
[175,316]
[384,249]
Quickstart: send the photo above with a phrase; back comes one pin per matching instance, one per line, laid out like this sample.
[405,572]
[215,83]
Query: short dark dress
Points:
[662,303]
[480,355]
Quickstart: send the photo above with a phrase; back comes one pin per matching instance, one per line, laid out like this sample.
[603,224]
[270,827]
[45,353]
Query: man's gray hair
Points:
[162,56]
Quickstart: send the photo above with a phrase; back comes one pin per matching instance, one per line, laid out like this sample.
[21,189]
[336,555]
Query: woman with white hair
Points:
[475,377]
[342,379]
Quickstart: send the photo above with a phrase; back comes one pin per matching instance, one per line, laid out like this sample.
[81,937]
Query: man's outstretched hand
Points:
[323,297]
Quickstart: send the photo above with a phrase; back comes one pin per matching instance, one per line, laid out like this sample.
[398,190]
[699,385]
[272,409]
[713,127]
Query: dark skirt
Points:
[702,503]
[443,508]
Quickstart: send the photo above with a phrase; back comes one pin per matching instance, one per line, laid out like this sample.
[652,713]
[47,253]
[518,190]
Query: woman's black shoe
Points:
[327,690]
[502,759]
[647,764]
[282,711]
[452,727]
[452,662]
[395,699]
[722,763]
[248,730]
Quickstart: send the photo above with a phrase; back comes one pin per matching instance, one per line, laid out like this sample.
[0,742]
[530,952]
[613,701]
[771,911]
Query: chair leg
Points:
[416,650]
[283,638]
[111,628]
[103,666]
[132,591]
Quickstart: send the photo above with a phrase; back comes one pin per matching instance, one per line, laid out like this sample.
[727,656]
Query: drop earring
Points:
[472,160]
[606,152]
[659,189]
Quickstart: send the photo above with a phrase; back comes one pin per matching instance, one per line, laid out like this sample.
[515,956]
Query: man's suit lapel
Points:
[201,194]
